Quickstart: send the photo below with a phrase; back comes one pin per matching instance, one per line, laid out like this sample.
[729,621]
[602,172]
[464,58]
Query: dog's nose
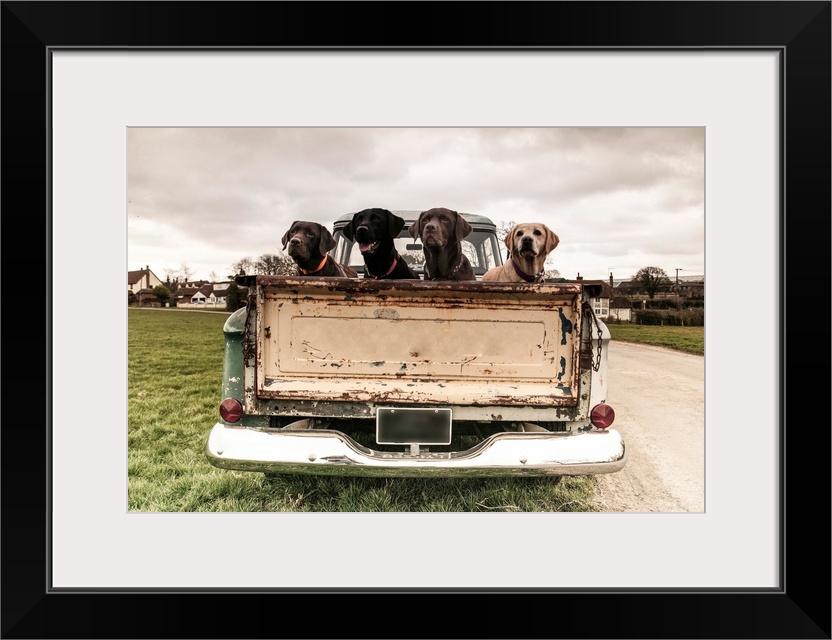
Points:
[294,240]
[430,226]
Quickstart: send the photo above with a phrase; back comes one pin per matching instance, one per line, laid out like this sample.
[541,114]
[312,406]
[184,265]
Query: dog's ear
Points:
[416,227]
[326,242]
[285,239]
[552,240]
[509,239]
[394,224]
[349,230]
[462,226]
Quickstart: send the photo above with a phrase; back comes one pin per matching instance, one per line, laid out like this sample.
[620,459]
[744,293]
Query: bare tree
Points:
[243,267]
[269,264]
[275,264]
[551,274]
[503,229]
[186,272]
[652,280]
[174,278]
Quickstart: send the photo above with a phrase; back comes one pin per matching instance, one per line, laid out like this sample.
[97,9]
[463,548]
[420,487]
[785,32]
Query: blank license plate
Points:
[413,426]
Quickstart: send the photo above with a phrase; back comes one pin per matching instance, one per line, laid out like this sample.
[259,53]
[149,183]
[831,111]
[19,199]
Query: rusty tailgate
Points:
[419,342]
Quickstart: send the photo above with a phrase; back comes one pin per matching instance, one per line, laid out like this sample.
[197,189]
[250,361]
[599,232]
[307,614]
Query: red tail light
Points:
[602,415]
[231,410]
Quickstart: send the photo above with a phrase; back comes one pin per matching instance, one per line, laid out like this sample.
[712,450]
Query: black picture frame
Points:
[800,608]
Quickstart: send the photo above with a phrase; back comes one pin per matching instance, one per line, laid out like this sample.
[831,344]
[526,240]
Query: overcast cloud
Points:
[619,199]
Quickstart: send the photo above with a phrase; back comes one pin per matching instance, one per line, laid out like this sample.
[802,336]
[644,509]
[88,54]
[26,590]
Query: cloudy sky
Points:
[619,198]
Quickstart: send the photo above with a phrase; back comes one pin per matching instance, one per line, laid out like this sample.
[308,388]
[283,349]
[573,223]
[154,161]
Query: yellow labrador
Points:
[529,244]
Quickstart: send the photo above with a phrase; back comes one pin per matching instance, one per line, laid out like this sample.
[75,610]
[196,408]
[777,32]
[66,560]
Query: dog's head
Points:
[371,227]
[531,241]
[439,227]
[307,240]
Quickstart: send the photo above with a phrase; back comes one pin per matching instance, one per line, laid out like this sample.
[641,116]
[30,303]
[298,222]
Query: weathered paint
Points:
[468,344]
[481,349]
[232,371]
[565,326]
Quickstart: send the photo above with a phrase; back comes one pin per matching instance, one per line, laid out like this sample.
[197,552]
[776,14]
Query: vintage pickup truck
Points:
[340,376]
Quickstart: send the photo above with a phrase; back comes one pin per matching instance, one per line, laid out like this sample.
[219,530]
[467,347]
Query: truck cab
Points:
[481,246]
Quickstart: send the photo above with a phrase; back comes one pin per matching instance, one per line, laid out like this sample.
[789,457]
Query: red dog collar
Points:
[389,271]
[320,266]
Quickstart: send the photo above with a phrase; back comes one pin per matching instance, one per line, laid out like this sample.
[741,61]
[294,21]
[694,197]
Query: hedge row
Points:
[675,318]
[673,304]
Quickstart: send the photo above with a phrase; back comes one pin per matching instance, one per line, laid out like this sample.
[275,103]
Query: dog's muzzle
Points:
[365,244]
[527,248]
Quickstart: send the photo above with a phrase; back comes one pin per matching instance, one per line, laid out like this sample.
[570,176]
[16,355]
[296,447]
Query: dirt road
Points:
[659,401]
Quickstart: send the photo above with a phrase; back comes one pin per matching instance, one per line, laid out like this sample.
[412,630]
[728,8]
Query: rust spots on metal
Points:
[378,288]
[387,314]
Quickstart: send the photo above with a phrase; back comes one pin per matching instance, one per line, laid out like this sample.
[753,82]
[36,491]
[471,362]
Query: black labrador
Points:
[374,230]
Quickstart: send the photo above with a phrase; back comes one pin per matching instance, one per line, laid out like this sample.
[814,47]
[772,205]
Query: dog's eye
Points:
[519,233]
[537,232]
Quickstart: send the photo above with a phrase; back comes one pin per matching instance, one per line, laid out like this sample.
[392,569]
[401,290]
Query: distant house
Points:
[219,292]
[605,304]
[621,309]
[140,286]
[202,293]
[183,296]
[194,284]
[141,279]
[200,296]
[690,288]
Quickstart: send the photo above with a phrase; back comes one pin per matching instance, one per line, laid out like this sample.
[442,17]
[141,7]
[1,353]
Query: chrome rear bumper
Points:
[329,452]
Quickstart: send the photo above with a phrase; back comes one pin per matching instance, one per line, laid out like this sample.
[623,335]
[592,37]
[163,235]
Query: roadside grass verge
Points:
[687,339]
[174,382]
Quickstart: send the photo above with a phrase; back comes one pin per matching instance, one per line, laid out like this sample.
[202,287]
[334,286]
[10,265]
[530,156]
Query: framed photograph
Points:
[754,75]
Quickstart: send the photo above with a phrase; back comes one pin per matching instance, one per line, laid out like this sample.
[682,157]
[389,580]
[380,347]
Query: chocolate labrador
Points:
[442,231]
[529,244]
[374,231]
[308,244]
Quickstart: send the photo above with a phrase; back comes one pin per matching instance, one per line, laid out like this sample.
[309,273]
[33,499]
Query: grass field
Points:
[174,372]
[687,339]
